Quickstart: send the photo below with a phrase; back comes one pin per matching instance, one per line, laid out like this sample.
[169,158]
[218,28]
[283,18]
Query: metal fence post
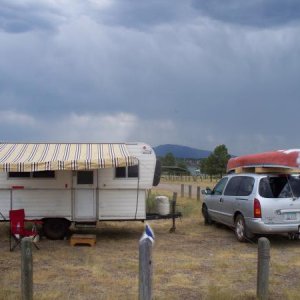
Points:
[145,264]
[26,269]
[190,191]
[263,268]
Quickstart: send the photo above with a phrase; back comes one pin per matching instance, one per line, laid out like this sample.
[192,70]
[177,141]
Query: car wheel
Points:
[206,216]
[240,229]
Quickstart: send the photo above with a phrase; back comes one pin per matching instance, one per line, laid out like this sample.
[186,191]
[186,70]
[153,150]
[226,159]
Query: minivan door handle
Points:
[221,200]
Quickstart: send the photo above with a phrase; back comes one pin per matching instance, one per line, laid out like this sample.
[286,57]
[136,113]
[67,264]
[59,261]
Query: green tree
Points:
[183,167]
[168,160]
[182,164]
[216,163]
[221,159]
[208,166]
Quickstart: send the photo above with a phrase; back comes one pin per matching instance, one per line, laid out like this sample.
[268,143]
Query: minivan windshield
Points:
[280,187]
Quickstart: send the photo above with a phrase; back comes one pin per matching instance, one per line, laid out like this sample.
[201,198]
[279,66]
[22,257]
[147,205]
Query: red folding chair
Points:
[17,228]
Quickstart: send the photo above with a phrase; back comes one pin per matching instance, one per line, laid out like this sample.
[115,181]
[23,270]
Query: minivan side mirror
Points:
[207,191]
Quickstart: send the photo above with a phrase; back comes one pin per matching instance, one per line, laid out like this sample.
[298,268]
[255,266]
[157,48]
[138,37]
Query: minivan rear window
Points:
[280,187]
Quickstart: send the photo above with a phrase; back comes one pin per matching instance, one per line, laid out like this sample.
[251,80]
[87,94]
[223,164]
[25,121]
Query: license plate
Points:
[290,216]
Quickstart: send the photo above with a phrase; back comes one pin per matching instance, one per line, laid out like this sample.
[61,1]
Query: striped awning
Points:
[62,156]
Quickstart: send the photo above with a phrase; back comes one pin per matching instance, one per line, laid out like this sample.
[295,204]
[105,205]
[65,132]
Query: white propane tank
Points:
[162,205]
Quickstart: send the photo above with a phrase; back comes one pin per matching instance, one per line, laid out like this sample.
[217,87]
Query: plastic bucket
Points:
[162,205]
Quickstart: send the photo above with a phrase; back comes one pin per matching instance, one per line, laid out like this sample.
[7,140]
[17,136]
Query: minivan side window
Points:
[218,189]
[233,186]
[246,186]
[239,186]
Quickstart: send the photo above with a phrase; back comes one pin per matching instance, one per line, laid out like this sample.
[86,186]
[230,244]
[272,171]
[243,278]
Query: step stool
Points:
[83,239]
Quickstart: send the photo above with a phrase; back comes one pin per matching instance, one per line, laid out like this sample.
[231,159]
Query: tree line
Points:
[214,164]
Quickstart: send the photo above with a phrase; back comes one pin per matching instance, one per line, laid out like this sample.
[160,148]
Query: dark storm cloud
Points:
[257,13]
[18,17]
[144,14]
[156,71]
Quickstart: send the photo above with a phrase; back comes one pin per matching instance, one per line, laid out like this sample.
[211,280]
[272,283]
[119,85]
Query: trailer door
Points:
[84,196]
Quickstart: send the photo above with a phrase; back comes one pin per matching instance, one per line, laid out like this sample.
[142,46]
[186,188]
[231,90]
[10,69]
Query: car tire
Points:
[241,232]
[206,216]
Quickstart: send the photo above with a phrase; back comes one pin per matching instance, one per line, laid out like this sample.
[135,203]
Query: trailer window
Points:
[133,171]
[37,174]
[127,172]
[43,174]
[19,174]
[85,177]
[121,172]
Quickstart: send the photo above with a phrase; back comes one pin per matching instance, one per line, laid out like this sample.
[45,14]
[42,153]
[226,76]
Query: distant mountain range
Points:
[181,151]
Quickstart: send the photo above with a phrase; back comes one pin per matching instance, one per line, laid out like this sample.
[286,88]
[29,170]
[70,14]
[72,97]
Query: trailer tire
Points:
[56,228]
[157,173]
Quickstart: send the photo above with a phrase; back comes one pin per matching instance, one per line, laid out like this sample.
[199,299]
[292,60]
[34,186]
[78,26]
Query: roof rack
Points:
[264,170]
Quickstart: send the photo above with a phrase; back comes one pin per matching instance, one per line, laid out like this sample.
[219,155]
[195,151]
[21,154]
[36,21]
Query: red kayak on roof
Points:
[280,158]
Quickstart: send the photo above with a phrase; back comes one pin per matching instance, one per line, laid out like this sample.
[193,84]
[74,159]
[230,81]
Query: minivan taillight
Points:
[257,209]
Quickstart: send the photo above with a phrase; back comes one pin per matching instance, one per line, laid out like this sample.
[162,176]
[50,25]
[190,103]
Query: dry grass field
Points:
[195,262]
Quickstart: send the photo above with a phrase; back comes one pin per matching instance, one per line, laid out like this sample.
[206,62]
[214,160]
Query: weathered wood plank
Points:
[83,239]
[263,170]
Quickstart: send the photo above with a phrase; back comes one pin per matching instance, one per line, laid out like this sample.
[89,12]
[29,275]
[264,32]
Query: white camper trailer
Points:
[83,183]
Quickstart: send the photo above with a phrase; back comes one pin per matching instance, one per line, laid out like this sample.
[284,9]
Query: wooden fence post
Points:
[198,193]
[26,269]
[145,264]
[190,191]
[173,207]
[263,268]
[182,190]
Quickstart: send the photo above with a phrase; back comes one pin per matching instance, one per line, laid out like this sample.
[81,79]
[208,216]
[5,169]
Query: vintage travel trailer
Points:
[63,183]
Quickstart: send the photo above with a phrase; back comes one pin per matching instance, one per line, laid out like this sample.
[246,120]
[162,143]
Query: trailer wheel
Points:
[157,173]
[56,228]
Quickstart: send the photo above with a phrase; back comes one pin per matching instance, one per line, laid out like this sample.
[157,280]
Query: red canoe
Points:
[279,159]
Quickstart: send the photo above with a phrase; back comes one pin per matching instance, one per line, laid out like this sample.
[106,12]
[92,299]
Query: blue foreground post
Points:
[145,264]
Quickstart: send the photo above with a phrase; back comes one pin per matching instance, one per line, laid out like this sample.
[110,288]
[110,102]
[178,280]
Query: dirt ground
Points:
[195,262]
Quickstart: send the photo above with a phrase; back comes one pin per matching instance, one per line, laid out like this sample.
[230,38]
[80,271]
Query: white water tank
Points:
[162,205]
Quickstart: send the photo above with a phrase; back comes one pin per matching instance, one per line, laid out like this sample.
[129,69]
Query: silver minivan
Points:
[255,204]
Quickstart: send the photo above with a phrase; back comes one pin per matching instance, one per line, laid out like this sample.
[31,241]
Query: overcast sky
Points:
[197,73]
